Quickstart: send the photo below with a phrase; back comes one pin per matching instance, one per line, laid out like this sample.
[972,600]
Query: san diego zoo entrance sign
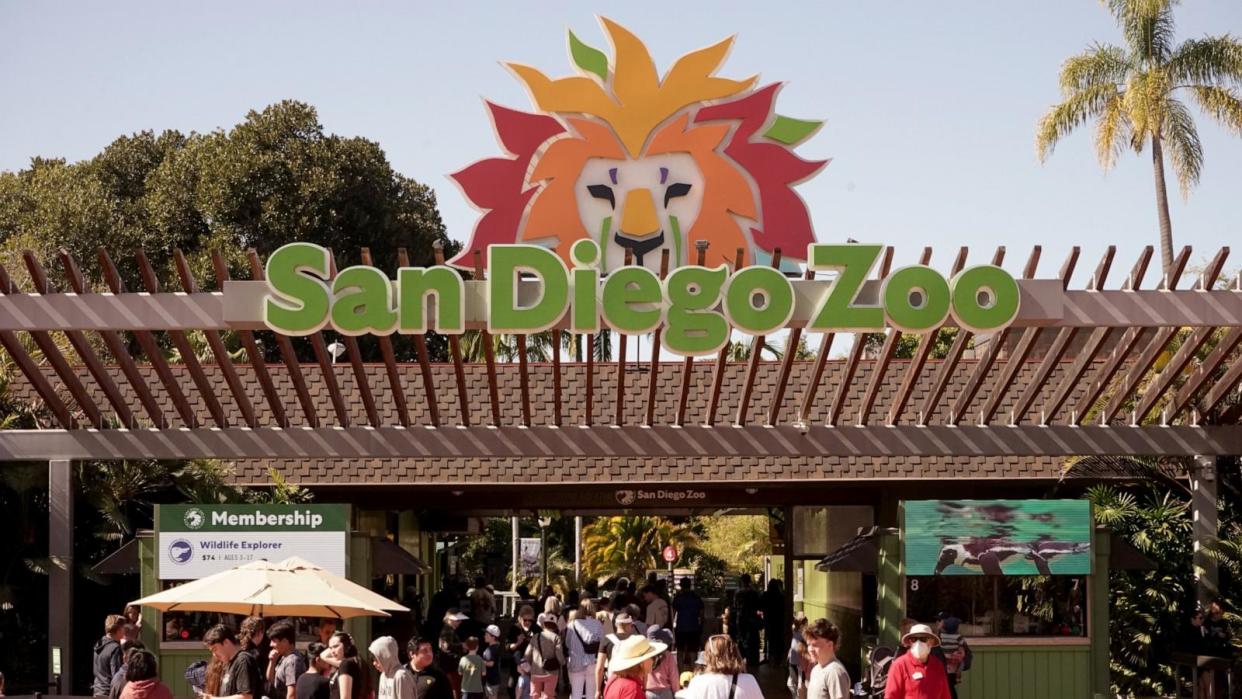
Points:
[530,289]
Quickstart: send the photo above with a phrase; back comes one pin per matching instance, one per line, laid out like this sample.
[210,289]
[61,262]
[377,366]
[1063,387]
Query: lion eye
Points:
[677,189]
[603,191]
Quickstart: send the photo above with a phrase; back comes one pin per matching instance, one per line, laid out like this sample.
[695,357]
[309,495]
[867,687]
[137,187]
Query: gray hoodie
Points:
[395,680]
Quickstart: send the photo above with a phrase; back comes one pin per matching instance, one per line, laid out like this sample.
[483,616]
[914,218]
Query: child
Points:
[663,681]
[799,662]
[472,669]
[491,661]
[954,647]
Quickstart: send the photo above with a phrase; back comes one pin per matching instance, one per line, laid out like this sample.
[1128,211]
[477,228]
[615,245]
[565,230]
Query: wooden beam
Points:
[489,354]
[851,364]
[653,372]
[454,343]
[1086,356]
[1146,359]
[150,348]
[995,345]
[1015,361]
[390,364]
[1211,364]
[1059,346]
[752,367]
[687,364]
[1186,353]
[424,361]
[257,364]
[523,379]
[34,374]
[817,375]
[618,415]
[354,353]
[887,352]
[927,343]
[722,358]
[791,353]
[556,377]
[590,380]
[84,350]
[287,353]
[1221,389]
[186,275]
[188,358]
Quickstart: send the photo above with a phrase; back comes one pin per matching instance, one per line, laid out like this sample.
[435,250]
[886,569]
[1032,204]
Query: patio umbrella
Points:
[292,587]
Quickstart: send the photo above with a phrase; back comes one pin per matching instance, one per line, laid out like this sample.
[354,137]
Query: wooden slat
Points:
[67,375]
[995,345]
[454,343]
[1221,389]
[1186,353]
[35,376]
[1059,346]
[926,344]
[949,365]
[855,356]
[1015,361]
[390,360]
[1086,356]
[206,390]
[817,375]
[354,352]
[687,364]
[489,355]
[150,348]
[1146,360]
[752,367]
[791,352]
[424,361]
[523,379]
[721,360]
[257,364]
[653,372]
[1121,352]
[1210,365]
[556,377]
[287,353]
[887,352]
[83,348]
[217,345]
[618,415]
[590,380]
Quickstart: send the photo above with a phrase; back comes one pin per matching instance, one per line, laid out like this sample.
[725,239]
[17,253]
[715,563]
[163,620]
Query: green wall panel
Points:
[173,664]
[1028,672]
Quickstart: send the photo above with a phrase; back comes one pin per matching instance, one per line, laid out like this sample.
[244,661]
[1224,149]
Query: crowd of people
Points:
[627,642]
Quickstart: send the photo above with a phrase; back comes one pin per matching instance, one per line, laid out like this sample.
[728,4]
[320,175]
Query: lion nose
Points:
[638,216]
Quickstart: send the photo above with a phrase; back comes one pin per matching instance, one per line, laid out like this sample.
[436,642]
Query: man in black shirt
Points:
[313,684]
[242,679]
[430,682]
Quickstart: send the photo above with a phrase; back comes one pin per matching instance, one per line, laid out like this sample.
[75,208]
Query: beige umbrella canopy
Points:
[292,587]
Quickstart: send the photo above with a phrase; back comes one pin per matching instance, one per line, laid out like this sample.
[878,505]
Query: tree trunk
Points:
[1162,206]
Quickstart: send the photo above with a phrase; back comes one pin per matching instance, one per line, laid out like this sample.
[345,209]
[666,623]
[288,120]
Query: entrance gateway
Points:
[691,171]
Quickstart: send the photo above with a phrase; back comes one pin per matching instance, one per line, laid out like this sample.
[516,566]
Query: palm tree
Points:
[629,545]
[1133,93]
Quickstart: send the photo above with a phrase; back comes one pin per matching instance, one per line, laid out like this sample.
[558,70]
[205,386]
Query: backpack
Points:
[550,663]
[591,648]
[970,656]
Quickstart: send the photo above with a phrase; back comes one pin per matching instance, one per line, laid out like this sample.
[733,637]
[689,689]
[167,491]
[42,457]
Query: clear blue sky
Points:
[930,107]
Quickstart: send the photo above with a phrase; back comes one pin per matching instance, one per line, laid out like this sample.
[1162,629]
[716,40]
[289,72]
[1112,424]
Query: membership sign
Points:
[194,541]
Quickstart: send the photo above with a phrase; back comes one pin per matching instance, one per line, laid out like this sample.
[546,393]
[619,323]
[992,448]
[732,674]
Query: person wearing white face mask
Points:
[917,674]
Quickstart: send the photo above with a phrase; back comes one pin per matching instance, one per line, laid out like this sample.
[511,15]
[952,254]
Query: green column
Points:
[1098,610]
[889,583]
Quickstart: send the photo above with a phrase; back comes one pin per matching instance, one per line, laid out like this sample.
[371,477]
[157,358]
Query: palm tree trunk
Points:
[1162,205]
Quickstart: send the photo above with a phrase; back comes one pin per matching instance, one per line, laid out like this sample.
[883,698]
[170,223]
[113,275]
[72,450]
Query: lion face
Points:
[643,164]
[642,206]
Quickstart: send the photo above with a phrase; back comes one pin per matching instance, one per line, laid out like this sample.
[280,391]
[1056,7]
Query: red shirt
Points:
[624,688]
[910,679]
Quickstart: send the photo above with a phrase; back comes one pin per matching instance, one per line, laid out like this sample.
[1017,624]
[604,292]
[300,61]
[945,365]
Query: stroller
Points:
[878,662]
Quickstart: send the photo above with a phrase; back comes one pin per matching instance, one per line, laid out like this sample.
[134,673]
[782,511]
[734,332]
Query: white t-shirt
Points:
[829,681]
[715,686]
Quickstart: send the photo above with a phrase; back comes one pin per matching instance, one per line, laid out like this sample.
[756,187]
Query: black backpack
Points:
[591,648]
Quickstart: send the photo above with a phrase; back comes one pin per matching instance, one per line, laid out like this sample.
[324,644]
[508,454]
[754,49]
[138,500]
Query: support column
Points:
[60,576]
[1206,526]
[789,575]
[578,551]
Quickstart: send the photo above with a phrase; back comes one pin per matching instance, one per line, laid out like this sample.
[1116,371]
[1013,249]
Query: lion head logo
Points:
[642,163]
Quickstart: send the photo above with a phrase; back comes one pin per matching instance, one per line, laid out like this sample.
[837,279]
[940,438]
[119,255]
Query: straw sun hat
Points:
[920,631]
[633,651]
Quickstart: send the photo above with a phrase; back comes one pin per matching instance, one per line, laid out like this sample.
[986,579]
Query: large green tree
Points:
[1135,95]
[630,545]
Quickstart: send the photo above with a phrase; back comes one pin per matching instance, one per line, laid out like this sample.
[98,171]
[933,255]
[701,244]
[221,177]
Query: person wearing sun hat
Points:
[917,674]
[630,665]
[624,625]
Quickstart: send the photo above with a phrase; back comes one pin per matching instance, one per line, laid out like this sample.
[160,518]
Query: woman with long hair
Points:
[348,680]
[724,676]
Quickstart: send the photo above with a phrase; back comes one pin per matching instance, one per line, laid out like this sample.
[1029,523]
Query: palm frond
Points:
[1222,104]
[1213,61]
[1102,64]
[1185,150]
[1112,132]
[1068,115]
[1147,26]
